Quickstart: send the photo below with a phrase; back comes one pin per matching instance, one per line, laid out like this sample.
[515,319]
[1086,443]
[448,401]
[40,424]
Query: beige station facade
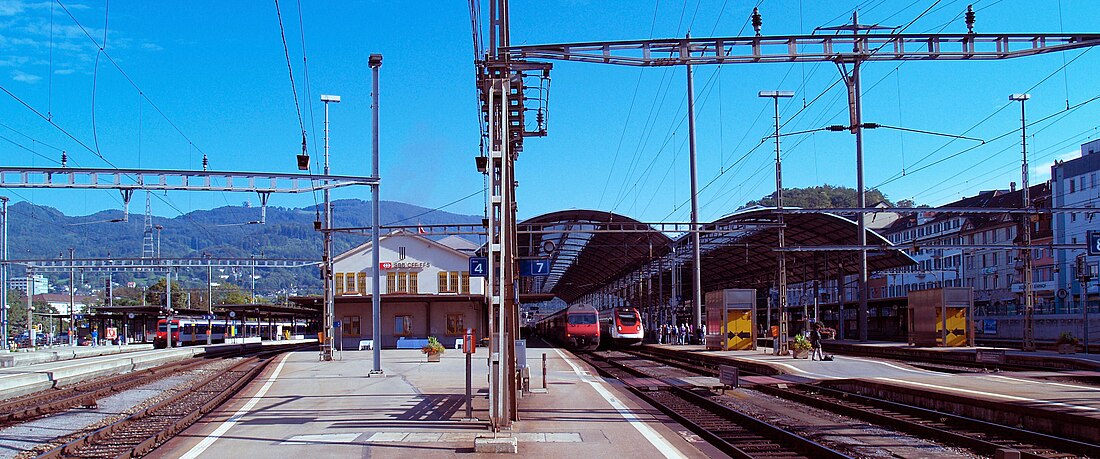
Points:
[426,290]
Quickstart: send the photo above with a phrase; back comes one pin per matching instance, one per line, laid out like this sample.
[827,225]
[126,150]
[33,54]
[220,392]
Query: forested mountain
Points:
[36,232]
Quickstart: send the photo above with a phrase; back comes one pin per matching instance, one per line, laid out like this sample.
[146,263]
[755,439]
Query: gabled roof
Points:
[398,233]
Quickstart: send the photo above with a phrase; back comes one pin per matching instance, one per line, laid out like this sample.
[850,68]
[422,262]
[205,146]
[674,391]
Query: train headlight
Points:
[620,328]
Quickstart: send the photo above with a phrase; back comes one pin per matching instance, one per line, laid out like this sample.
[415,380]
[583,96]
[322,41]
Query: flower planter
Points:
[433,357]
[1067,348]
[800,353]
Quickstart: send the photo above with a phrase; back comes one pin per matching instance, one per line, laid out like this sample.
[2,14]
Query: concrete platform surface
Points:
[305,408]
[57,353]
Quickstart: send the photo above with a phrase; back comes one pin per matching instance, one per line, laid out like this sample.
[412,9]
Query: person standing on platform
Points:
[815,343]
[775,339]
[95,336]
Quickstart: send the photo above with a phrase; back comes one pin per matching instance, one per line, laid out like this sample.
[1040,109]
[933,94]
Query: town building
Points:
[426,291]
[38,281]
[1076,184]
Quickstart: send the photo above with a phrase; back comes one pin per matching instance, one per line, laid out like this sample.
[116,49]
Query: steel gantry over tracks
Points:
[848,46]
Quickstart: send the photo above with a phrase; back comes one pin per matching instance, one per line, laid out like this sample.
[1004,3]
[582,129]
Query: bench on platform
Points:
[366,344]
[411,343]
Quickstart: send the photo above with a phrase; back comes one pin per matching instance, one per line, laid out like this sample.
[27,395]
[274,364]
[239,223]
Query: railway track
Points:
[977,435]
[732,432]
[139,433]
[85,394]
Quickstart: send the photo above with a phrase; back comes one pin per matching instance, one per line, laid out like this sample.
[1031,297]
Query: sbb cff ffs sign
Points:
[1094,242]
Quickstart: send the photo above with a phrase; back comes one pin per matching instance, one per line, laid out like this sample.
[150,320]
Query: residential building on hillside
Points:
[38,281]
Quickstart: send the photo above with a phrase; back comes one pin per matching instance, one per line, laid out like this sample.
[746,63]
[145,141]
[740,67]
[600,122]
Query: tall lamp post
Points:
[1025,226]
[330,306]
[782,258]
[375,61]
[4,271]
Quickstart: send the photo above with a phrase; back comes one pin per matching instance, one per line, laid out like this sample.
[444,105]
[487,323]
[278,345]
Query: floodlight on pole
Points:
[330,295]
[781,272]
[1025,227]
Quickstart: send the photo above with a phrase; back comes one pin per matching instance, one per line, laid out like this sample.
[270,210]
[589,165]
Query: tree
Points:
[155,294]
[824,196]
[17,311]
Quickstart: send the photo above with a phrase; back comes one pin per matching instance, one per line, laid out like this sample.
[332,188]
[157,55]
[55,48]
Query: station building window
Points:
[349,280]
[361,280]
[454,282]
[402,325]
[349,326]
[339,283]
[401,282]
[456,324]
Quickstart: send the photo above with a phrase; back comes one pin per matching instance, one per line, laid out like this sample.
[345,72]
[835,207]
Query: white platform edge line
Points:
[225,426]
[647,432]
[991,394]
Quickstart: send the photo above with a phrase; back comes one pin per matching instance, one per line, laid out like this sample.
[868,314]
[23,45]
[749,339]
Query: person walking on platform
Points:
[815,343]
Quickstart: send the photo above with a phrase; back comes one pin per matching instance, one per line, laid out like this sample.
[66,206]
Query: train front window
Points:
[582,319]
[628,318]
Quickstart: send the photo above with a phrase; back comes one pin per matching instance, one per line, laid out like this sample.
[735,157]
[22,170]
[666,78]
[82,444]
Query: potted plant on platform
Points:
[1067,343]
[800,347]
[433,349]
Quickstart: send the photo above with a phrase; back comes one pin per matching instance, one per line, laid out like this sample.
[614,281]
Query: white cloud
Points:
[1040,172]
[19,75]
[151,47]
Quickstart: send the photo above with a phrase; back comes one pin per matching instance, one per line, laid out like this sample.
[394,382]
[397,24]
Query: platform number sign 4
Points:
[479,267]
[1094,242]
[534,267]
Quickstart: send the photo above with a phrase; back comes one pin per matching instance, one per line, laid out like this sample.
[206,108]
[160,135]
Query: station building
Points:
[426,292]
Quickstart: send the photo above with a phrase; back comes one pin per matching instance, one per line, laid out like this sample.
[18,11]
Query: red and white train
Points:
[575,327]
[620,327]
[187,331]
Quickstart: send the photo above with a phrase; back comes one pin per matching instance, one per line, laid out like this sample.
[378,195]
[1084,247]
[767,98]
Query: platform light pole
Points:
[375,61]
[1025,226]
[784,325]
[696,254]
[72,297]
[4,271]
[330,307]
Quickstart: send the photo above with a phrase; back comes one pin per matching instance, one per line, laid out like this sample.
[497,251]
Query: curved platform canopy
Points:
[820,246]
[587,249]
[592,250]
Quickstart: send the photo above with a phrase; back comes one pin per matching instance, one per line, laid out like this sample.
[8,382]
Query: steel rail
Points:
[139,433]
[977,435]
[734,433]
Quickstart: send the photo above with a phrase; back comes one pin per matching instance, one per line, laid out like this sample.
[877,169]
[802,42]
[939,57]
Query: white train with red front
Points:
[581,326]
[621,327]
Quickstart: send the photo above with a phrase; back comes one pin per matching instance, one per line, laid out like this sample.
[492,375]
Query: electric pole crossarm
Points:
[806,48]
[148,179]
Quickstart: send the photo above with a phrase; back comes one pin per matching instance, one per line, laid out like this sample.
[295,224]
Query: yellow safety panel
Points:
[738,329]
[956,327]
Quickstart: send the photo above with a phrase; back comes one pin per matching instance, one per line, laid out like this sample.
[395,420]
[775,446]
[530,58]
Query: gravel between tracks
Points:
[33,438]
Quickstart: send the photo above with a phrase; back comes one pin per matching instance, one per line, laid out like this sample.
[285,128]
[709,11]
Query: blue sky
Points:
[617,137]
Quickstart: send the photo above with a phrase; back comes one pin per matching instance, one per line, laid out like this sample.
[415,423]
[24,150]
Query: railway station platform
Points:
[302,407]
[977,392]
[57,353]
[52,367]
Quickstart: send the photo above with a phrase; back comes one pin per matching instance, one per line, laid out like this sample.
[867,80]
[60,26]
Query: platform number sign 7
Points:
[534,267]
[1094,242]
[479,267]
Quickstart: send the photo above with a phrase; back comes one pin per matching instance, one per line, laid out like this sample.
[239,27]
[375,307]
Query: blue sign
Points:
[208,316]
[479,267]
[538,267]
[78,316]
[1094,242]
[336,323]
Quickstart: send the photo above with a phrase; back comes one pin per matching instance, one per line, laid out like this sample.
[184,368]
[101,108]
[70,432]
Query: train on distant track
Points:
[583,327]
[620,327]
[575,327]
[187,331]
